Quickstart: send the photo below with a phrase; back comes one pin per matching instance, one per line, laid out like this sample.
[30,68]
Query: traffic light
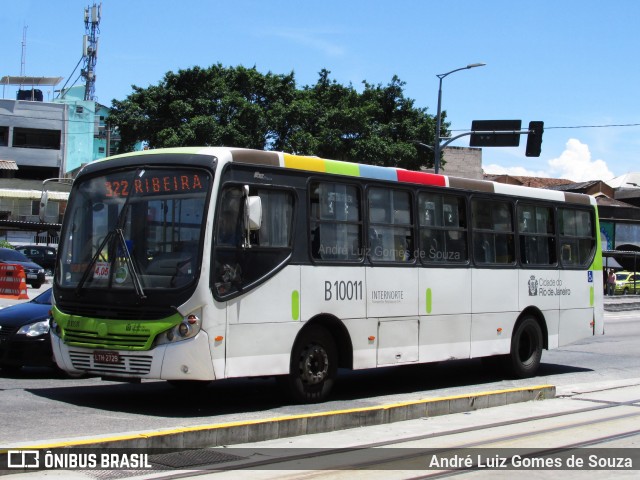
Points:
[534,139]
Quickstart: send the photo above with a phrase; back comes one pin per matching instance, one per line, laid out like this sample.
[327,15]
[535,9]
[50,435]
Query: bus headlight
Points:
[188,328]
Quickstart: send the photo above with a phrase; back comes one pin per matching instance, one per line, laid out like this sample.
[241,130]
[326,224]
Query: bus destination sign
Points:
[155,185]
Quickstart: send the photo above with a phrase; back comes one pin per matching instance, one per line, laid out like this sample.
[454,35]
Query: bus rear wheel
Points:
[526,348]
[313,366]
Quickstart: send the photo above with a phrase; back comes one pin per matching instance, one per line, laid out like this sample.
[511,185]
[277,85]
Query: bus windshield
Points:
[135,229]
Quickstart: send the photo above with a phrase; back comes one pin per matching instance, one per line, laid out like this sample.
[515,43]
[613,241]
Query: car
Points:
[627,282]
[24,334]
[33,272]
[43,255]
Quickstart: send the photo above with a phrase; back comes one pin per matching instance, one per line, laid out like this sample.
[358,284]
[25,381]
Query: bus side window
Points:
[493,232]
[335,222]
[443,228]
[391,218]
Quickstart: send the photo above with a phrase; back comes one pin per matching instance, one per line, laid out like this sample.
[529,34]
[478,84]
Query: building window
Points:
[36,138]
[4,136]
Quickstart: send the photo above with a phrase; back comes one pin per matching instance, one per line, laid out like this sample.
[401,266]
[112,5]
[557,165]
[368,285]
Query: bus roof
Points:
[393,174]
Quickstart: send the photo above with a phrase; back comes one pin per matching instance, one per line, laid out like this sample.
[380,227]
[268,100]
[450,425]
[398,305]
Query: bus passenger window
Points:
[443,228]
[391,218]
[577,237]
[493,232]
[536,234]
[335,224]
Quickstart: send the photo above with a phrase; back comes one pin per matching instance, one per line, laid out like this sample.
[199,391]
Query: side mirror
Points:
[44,199]
[252,216]
[254,213]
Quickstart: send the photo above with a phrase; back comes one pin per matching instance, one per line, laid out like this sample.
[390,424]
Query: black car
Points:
[40,254]
[33,271]
[24,334]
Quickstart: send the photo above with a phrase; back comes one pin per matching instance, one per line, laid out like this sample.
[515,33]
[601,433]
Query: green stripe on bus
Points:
[592,296]
[342,168]
[295,305]
[428,300]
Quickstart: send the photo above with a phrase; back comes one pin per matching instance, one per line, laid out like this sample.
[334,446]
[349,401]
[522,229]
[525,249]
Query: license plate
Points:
[32,275]
[106,357]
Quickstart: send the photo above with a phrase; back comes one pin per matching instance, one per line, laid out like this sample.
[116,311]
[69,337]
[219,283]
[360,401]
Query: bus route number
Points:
[343,290]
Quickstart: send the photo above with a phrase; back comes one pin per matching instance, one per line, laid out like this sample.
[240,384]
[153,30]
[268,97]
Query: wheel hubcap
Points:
[314,365]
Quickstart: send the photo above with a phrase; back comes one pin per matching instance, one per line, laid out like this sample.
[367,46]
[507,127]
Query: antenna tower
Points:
[23,59]
[90,49]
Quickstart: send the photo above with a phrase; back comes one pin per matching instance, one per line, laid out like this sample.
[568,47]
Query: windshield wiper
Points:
[122,243]
[117,232]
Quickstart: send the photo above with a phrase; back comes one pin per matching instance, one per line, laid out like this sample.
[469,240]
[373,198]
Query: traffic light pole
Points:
[534,140]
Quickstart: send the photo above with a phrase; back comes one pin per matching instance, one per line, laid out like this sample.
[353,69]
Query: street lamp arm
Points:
[471,65]
[423,145]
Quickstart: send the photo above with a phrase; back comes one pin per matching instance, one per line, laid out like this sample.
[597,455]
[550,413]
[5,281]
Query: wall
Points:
[463,162]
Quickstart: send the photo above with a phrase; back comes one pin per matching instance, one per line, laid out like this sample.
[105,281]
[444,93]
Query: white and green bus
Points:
[198,264]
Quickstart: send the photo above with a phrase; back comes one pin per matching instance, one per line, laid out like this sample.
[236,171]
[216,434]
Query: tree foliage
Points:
[241,107]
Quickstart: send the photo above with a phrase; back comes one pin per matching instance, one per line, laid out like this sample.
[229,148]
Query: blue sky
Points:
[568,63]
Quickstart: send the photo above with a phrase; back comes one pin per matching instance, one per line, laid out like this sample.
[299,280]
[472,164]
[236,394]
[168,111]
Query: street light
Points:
[436,149]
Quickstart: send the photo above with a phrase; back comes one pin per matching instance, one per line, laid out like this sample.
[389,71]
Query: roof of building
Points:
[628,180]
[8,165]
[30,81]
[536,182]
[605,201]
[574,186]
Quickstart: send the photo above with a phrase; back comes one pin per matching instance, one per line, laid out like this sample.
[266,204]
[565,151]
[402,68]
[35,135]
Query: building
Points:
[465,162]
[41,140]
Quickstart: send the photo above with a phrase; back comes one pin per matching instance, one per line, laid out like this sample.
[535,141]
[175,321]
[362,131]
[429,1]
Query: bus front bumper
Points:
[186,360]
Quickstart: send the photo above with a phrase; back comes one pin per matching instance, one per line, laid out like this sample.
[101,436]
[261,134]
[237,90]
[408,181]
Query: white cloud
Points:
[574,163]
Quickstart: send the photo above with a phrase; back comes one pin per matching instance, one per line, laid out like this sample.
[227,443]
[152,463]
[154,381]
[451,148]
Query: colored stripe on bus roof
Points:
[315,164]
[379,173]
[422,178]
[342,168]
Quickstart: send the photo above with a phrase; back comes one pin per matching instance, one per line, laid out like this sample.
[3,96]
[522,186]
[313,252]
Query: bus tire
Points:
[314,365]
[526,348]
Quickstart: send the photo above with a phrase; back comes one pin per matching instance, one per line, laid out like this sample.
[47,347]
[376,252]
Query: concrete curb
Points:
[235,433]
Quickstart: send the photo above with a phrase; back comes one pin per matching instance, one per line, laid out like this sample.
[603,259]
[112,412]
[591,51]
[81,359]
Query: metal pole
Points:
[436,146]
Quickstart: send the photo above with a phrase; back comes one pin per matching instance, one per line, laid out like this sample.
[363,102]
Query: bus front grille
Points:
[129,364]
[83,338]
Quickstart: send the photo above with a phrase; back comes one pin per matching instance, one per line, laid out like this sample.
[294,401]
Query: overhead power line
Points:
[600,126]
[613,125]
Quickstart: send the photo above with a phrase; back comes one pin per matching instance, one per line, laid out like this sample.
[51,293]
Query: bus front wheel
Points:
[313,366]
[526,348]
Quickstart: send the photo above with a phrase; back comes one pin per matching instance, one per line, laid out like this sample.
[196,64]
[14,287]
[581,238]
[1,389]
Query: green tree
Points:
[205,106]
[242,107]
